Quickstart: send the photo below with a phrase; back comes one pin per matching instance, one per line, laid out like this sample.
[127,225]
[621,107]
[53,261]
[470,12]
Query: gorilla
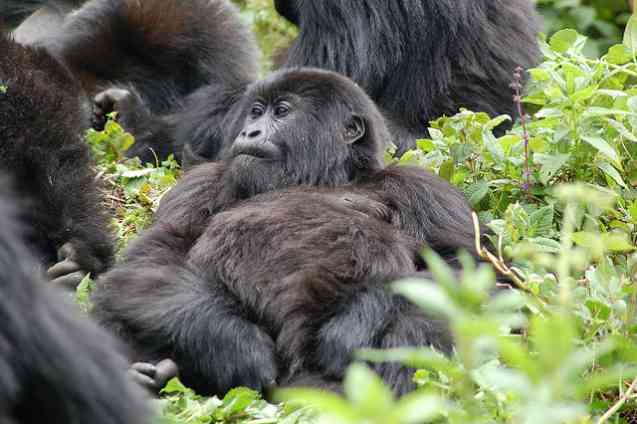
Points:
[41,121]
[156,51]
[418,59]
[269,267]
[54,366]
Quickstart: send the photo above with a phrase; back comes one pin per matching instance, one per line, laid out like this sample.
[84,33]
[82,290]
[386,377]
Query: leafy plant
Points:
[601,20]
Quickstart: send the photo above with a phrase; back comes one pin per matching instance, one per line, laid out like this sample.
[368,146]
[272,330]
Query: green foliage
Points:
[273,32]
[180,405]
[134,190]
[83,294]
[601,20]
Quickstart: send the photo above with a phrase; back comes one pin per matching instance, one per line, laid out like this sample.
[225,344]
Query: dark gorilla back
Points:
[42,118]
[418,59]
[54,366]
[145,58]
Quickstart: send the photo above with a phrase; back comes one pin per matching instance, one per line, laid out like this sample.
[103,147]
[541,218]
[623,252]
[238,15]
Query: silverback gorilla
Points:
[158,52]
[41,121]
[418,59]
[54,366]
[269,267]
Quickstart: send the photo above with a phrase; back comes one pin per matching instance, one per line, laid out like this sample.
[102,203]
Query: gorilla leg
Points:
[376,318]
[174,314]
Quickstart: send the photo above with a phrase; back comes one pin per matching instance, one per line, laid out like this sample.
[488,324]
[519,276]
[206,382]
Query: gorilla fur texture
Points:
[159,51]
[41,122]
[54,366]
[269,267]
[418,59]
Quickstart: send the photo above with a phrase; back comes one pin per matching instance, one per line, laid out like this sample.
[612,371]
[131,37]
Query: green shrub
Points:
[601,20]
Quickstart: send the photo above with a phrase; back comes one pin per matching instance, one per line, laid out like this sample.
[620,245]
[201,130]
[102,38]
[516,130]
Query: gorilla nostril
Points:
[253,134]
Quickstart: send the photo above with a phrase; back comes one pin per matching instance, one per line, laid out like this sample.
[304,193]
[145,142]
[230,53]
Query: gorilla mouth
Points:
[261,150]
[255,152]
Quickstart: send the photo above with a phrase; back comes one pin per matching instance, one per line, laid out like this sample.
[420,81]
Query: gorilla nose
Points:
[254,134]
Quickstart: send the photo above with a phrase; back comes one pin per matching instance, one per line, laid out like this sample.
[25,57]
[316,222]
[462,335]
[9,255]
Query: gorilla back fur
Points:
[42,117]
[419,59]
[165,49]
[54,366]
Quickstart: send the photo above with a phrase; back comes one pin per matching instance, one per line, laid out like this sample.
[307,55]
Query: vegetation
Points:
[558,191]
[602,21]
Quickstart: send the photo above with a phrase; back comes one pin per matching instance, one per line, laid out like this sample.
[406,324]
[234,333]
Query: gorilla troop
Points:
[417,59]
[270,266]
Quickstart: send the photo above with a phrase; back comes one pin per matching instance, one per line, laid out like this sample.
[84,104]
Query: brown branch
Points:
[617,406]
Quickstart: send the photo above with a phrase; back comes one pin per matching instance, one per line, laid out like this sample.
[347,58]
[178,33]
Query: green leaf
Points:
[419,408]
[541,222]
[83,294]
[603,146]
[367,391]
[554,339]
[429,297]
[630,34]
[551,164]
[563,40]
[609,170]
[330,405]
[619,54]
[476,192]
[237,400]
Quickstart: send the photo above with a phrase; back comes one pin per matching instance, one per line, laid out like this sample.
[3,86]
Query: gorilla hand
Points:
[112,100]
[153,377]
[67,272]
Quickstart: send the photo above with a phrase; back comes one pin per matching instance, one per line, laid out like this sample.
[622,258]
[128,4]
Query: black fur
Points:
[418,59]
[54,366]
[41,147]
[269,267]
[160,51]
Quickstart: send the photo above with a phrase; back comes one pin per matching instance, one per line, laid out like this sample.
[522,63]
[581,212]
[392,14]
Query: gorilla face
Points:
[305,127]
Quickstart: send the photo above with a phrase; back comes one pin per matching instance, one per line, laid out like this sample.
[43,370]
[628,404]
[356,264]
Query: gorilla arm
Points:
[426,207]
[170,311]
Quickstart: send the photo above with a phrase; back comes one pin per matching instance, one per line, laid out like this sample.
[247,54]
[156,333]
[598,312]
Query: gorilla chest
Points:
[280,261]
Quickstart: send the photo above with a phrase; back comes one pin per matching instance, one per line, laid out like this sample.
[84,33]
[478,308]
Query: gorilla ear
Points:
[355,129]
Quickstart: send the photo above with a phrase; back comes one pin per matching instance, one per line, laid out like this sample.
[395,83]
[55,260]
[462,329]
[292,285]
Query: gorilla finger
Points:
[62,268]
[145,368]
[107,100]
[70,281]
[166,370]
[67,251]
[143,380]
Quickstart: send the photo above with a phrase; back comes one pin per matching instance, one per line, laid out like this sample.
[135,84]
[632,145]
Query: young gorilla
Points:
[152,52]
[54,366]
[269,267]
[41,121]
[418,59]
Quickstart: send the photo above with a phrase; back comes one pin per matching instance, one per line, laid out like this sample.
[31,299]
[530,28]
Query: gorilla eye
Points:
[281,110]
[257,110]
